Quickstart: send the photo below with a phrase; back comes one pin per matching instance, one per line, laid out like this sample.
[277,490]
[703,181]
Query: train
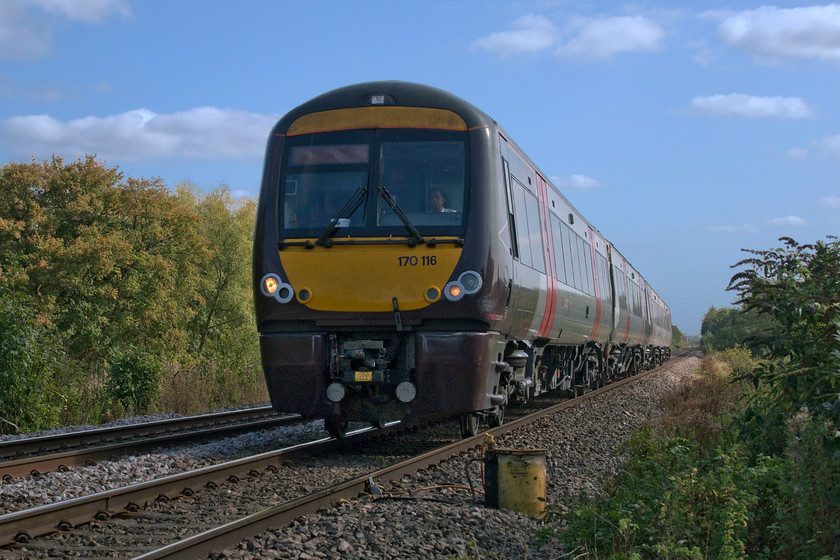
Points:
[411,261]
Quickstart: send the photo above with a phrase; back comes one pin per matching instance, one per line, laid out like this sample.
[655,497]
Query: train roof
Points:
[384,93]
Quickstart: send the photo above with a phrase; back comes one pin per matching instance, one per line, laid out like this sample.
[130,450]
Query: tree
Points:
[799,287]
[728,327]
[28,400]
[677,338]
[107,258]
[226,229]
[129,283]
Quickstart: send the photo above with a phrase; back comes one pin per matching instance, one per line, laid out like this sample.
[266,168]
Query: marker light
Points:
[453,291]
[272,286]
[469,282]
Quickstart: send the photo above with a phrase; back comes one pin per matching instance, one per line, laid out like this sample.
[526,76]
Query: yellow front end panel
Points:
[376,117]
[368,277]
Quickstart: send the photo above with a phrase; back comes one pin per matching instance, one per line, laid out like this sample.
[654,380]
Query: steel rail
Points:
[21,526]
[219,538]
[40,464]
[40,444]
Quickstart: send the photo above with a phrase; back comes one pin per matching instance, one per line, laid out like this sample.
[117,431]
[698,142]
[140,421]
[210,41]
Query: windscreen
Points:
[341,179]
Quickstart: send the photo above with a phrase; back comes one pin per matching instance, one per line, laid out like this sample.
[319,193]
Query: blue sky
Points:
[684,133]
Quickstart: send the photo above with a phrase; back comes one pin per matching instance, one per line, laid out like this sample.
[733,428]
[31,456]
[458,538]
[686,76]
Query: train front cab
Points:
[376,310]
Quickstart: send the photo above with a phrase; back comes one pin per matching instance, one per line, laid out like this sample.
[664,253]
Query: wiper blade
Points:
[354,202]
[398,211]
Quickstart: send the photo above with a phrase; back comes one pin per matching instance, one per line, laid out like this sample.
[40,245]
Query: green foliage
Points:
[729,327]
[757,477]
[677,339]
[130,277]
[226,228]
[694,493]
[672,501]
[133,379]
[799,287]
[28,400]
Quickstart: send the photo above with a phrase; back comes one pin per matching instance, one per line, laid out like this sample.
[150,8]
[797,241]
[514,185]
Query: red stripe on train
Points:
[597,283]
[551,288]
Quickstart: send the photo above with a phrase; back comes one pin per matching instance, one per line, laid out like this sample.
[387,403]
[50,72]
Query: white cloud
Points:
[743,228]
[578,182]
[26,25]
[735,104]
[590,38]
[197,134]
[22,34]
[828,145]
[787,221]
[771,34]
[797,153]
[770,223]
[605,36]
[531,33]
[87,11]
[830,201]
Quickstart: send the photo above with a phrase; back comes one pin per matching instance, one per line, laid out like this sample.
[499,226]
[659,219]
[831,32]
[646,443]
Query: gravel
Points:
[581,452]
[409,520]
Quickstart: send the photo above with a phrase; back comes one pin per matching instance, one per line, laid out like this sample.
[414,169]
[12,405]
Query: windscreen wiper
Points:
[398,211]
[354,202]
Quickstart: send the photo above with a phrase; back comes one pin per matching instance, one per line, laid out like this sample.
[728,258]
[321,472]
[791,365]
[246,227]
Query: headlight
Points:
[471,281]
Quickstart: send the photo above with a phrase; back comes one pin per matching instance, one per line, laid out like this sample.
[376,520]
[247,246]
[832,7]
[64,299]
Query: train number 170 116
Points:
[425,260]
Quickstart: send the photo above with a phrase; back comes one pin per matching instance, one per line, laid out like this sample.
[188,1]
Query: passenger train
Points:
[410,260]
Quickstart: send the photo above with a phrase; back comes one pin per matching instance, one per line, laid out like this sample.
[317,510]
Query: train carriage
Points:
[410,260]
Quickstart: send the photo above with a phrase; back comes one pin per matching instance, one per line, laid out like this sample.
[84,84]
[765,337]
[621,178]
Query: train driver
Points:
[437,201]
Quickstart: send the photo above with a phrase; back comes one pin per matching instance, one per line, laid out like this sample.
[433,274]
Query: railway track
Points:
[33,456]
[148,503]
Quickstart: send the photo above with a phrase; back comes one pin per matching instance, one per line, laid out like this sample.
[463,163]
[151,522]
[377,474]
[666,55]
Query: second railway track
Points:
[38,455]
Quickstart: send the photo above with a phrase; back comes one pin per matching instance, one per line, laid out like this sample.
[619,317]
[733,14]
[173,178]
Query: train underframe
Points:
[379,376]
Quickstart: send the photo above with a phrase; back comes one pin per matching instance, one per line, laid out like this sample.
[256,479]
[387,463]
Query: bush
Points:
[708,484]
[672,501]
[28,401]
[198,386]
[133,379]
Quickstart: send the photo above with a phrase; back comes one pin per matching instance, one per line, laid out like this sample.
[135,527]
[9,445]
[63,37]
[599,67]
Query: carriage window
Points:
[522,231]
[621,288]
[535,232]
[586,266]
[569,257]
[604,277]
[559,262]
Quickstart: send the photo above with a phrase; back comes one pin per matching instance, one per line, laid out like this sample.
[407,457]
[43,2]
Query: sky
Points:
[685,132]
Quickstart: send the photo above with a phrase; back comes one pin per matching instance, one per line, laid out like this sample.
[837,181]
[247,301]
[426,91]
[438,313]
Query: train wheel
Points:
[377,424]
[336,428]
[497,417]
[469,424]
